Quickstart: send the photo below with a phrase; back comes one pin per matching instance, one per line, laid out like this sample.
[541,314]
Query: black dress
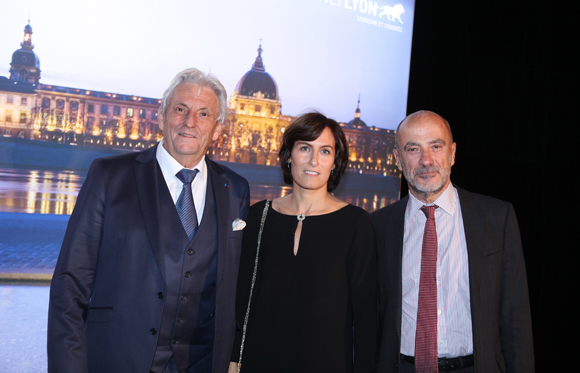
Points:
[313,311]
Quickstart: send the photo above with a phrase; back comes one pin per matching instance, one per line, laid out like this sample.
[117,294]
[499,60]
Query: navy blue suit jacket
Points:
[500,307]
[106,297]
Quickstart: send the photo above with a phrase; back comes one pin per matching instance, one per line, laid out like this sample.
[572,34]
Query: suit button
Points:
[153,331]
[190,252]
[179,319]
[174,342]
[183,297]
[160,295]
[187,274]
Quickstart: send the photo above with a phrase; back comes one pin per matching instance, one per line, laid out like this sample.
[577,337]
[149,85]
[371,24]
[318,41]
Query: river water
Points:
[55,192]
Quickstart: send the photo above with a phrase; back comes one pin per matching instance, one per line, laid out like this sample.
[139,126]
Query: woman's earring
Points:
[289,164]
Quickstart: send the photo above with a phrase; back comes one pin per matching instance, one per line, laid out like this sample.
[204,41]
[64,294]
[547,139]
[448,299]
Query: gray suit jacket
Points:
[500,310]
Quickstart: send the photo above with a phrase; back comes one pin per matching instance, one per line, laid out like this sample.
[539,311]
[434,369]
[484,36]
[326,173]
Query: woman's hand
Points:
[233,367]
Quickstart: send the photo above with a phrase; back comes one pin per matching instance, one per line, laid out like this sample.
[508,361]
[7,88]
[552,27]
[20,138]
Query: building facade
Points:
[370,148]
[92,118]
[74,116]
[252,134]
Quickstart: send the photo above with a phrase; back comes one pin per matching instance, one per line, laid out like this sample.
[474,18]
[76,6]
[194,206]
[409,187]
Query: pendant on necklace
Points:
[301,217]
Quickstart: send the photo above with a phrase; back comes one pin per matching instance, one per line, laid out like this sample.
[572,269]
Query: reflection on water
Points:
[260,192]
[368,201]
[36,191]
[55,192]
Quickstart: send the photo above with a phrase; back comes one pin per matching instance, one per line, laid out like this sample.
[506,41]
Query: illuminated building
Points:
[17,94]
[83,117]
[16,103]
[255,124]
[370,148]
[75,116]
[252,133]
[25,65]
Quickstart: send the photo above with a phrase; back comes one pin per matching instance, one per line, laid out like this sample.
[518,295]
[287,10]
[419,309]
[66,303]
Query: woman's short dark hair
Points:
[309,127]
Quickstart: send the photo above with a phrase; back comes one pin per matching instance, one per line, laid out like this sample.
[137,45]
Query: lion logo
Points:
[392,12]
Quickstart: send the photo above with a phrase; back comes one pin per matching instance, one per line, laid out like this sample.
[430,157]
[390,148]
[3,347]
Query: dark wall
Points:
[502,73]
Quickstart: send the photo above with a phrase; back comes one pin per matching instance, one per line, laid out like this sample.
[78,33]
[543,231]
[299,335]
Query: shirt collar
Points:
[447,202]
[170,167]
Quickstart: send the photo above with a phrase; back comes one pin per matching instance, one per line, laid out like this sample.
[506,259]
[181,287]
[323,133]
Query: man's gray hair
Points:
[193,75]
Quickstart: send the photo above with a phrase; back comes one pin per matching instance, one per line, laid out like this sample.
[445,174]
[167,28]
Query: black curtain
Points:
[503,74]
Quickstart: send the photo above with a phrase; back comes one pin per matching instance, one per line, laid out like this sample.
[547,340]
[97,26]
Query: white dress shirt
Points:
[170,167]
[454,331]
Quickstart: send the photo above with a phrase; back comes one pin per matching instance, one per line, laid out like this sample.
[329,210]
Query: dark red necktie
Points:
[426,337]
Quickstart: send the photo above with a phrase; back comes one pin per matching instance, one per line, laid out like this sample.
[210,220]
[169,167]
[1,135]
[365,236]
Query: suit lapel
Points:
[147,181]
[474,226]
[221,194]
[395,239]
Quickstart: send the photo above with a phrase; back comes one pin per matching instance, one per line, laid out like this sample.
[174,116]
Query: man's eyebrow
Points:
[410,143]
[179,103]
[436,141]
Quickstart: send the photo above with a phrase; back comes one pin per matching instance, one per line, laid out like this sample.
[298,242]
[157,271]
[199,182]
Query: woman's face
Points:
[312,161]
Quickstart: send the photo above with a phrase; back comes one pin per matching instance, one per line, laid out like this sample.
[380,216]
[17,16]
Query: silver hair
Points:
[193,75]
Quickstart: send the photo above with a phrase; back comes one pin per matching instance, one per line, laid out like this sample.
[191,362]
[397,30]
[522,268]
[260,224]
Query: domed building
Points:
[257,82]
[370,147]
[255,127]
[357,123]
[33,110]
[255,123]
[18,92]
[25,65]
[253,130]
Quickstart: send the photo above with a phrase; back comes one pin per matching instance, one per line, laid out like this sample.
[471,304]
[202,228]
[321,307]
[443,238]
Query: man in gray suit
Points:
[452,277]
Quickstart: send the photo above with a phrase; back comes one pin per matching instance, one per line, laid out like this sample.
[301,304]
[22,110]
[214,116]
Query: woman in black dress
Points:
[313,306]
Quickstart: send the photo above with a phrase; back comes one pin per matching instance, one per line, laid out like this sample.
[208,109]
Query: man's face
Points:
[189,124]
[426,154]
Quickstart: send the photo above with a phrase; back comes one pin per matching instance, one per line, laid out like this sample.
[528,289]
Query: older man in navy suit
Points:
[452,278]
[146,277]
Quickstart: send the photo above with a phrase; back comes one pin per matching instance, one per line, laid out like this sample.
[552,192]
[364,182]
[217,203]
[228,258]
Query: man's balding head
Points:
[425,152]
[418,115]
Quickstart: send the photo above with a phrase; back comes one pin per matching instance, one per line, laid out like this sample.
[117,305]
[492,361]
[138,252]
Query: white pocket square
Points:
[238,224]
